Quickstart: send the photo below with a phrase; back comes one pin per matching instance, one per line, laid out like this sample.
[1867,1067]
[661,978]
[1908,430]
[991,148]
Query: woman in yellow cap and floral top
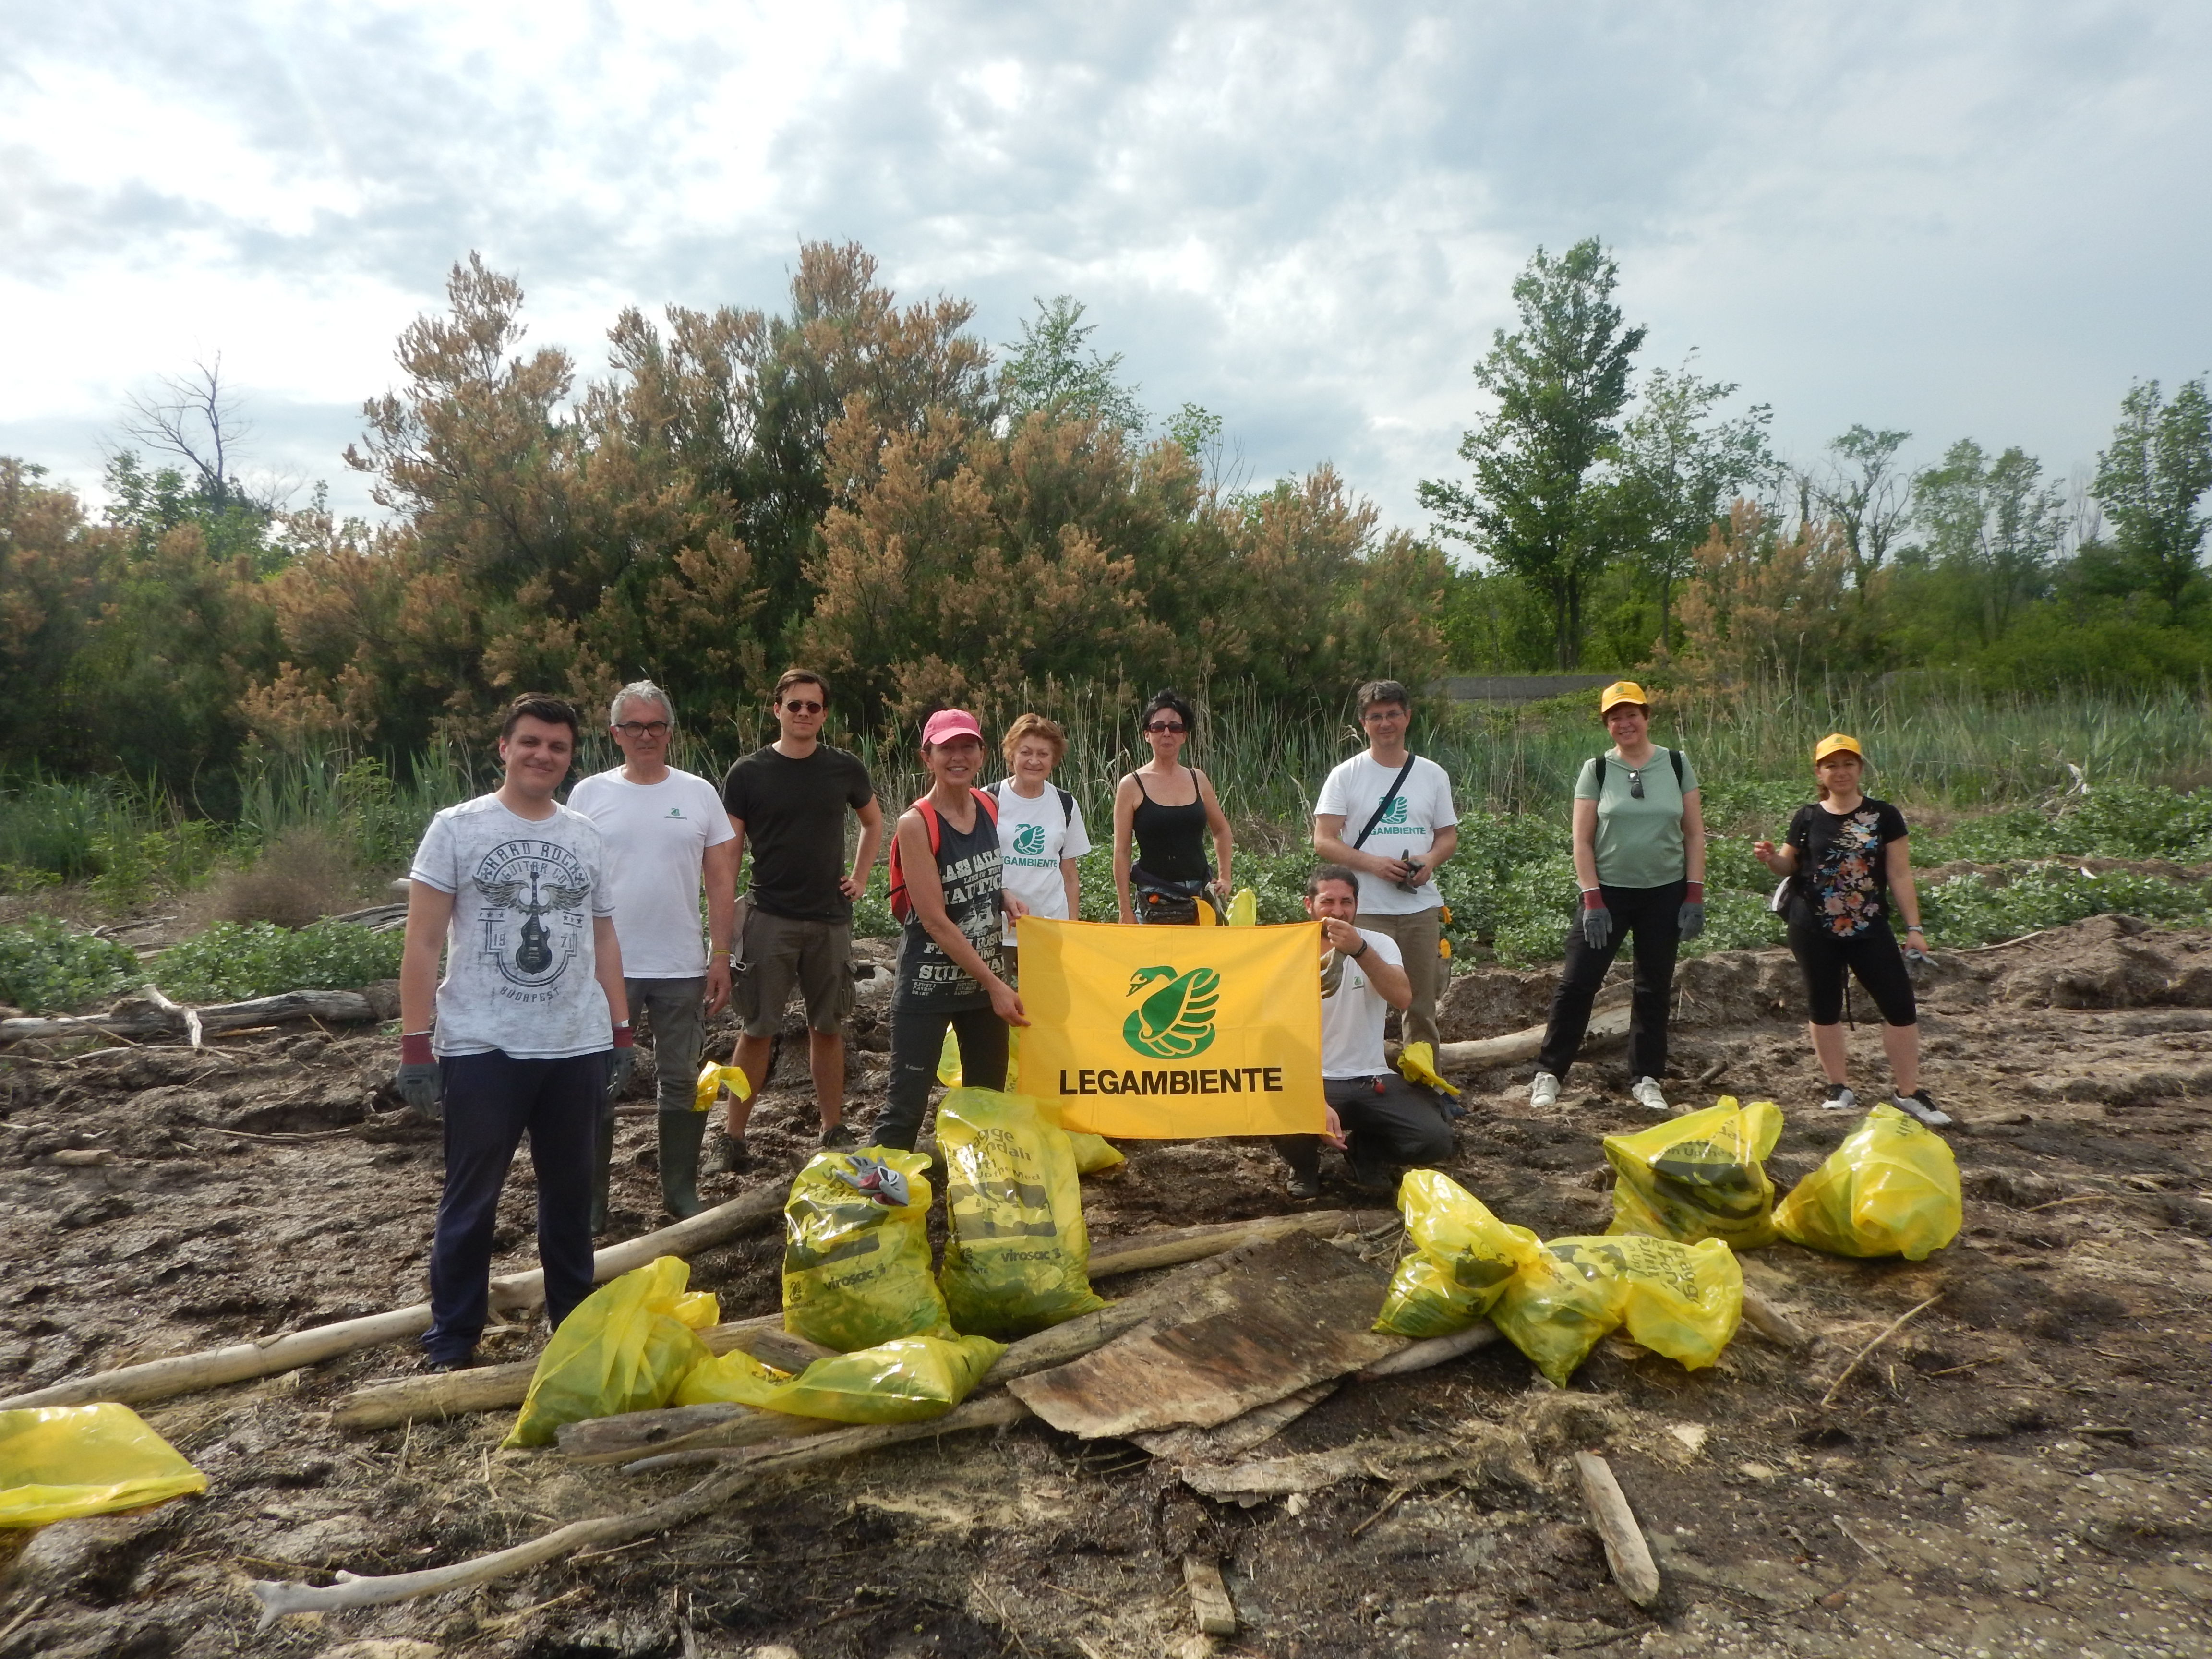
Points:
[1846,860]
[1640,858]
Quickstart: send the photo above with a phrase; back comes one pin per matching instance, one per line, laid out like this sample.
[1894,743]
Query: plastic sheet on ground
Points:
[898,1382]
[856,1250]
[60,1462]
[1891,1188]
[1461,1258]
[1016,1250]
[1699,1176]
[1682,1300]
[625,1348]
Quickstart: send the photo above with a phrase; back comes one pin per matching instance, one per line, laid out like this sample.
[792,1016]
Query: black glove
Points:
[419,1086]
[620,1065]
[1597,926]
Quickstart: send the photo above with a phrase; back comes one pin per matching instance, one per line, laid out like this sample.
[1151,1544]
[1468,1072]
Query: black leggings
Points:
[1652,917]
[1872,955]
[917,1040]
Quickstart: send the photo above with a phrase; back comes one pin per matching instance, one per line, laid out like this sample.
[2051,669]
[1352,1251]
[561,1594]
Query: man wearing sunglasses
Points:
[665,833]
[789,800]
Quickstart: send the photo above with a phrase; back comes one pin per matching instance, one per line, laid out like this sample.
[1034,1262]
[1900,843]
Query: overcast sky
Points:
[1977,220]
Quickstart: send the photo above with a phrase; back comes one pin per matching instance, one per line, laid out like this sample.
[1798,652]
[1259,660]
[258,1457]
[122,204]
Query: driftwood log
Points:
[149,1018]
[1517,1046]
[158,1379]
[1627,1552]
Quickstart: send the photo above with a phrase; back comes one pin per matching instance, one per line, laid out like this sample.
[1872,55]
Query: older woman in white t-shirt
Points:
[1040,833]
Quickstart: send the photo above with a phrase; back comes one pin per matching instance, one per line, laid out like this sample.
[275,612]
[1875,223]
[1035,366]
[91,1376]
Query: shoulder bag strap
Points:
[1383,806]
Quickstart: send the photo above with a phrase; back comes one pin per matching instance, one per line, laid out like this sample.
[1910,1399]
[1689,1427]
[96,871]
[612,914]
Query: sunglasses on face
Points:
[636,729]
[1163,726]
[796,707]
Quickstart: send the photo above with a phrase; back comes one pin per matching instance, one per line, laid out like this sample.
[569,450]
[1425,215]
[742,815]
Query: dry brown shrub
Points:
[304,874]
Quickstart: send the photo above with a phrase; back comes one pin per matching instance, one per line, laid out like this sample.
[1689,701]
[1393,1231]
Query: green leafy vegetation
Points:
[48,967]
[232,961]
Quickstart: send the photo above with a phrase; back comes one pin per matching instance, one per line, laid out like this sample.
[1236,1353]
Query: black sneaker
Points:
[1917,1105]
[839,1134]
[1840,1099]
[1303,1185]
[731,1156]
[432,1366]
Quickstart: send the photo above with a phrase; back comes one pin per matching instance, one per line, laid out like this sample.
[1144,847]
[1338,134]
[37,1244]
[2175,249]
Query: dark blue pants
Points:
[917,1041]
[491,1101]
[1652,916]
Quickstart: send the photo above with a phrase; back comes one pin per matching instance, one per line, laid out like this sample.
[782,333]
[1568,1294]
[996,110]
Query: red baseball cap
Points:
[950,723]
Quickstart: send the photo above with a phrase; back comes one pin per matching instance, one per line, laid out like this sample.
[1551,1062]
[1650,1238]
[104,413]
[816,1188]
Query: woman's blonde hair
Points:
[1035,726]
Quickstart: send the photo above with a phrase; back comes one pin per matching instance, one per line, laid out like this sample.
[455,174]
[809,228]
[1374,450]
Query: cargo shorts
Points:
[783,952]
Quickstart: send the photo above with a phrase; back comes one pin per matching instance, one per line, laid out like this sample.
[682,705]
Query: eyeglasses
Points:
[1387,712]
[635,729]
[798,708]
[1165,725]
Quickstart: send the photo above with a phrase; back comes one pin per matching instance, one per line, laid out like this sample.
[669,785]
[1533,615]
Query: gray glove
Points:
[1692,921]
[621,1063]
[1597,927]
[418,1085]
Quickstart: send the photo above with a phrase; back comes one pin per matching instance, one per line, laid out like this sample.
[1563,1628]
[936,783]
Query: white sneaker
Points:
[1840,1099]
[1544,1092]
[1918,1105]
[1645,1092]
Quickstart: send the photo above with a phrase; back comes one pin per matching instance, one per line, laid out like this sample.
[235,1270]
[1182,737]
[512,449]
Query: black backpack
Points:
[1674,755]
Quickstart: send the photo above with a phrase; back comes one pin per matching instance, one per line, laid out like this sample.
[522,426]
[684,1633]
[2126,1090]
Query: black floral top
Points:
[1842,872]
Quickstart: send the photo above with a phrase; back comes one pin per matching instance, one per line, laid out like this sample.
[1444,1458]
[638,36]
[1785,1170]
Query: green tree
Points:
[1560,381]
[2150,483]
[1867,493]
[1994,527]
[1050,370]
[1678,468]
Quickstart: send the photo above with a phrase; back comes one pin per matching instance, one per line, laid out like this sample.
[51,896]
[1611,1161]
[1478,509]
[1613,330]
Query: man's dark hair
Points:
[1376,692]
[1170,701]
[801,676]
[1328,872]
[542,706]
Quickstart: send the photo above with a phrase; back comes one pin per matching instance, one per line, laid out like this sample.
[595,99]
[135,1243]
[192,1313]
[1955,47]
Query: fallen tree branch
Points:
[152,1018]
[1517,1046]
[1770,1323]
[1431,1351]
[159,1379]
[1888,1331]
[1627,1552]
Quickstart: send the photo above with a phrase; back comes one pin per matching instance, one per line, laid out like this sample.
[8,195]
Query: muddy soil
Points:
[2024,1467]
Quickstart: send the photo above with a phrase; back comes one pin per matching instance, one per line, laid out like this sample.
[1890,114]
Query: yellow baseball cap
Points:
[1619,692]
[1836,742]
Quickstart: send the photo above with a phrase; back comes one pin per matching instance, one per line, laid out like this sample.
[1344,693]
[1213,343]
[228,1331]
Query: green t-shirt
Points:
[1640,842]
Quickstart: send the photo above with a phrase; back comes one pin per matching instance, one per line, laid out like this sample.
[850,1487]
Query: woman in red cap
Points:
[1845,858]
[946,888]
[1640,859]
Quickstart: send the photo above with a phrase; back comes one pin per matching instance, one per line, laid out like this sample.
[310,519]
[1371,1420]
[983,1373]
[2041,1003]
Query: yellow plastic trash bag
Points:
[1244,909]
[856,1250]
[1680,1300]
[1461,1257]
[1417,1063]
[625,1348]
[1699,1176]
[899,1381]
[1017,1249]
[59,1463]
[1890,1189]
[1094,1153]
[714,1078]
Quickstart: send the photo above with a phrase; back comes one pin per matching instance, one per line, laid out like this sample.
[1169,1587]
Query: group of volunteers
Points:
[560,925]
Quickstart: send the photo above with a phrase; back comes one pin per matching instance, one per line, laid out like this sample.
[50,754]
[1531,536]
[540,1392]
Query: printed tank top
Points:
[968,869]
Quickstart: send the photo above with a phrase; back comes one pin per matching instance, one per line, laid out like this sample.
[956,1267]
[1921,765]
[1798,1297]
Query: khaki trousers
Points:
[1416,936]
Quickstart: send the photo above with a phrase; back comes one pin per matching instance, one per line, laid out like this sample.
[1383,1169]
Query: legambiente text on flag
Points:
[1173,1033]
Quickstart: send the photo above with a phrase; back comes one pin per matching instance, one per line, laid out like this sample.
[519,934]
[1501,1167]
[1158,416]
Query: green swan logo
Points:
[1394,812]
[1029,839]
[1177,1021]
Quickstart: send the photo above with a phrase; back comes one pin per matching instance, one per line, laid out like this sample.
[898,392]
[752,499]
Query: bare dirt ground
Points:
[2024,1467]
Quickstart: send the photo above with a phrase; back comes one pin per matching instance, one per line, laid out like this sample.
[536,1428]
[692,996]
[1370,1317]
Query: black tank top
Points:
[1170,840]
[968,869]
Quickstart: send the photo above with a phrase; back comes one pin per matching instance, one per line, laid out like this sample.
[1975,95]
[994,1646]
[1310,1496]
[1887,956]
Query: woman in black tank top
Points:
[1167,809]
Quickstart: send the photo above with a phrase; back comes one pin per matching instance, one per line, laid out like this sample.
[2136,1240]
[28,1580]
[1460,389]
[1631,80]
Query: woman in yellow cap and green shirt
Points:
[1846,861]
[1640,858]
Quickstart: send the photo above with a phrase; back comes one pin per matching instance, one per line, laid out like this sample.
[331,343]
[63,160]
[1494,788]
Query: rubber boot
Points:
[680,1135]
[603,1157]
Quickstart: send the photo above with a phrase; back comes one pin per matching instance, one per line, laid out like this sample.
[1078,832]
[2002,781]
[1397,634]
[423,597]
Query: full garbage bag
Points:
[623,1348]
[59,1463]
[901,1381]
[856,1250]
[1094,1153]
[1682,1300]
[1461,1258]
[1699,1176]
[1016,1250]
[1891,1188]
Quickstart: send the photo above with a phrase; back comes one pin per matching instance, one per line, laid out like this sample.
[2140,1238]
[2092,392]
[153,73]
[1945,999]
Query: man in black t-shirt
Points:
[788,804]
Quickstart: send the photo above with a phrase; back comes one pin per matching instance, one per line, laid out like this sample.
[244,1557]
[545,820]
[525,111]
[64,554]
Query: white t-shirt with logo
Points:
[1408,827]
[1352,1016]
[656,836]
[1034,837]
[519,963]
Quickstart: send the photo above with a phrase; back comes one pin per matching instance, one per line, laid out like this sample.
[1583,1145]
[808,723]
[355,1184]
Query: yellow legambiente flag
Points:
[1173,1033]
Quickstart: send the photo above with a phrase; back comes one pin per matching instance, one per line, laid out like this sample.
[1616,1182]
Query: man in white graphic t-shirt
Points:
[1382,1123]
[1387,816]
[666,836]
[530,1020]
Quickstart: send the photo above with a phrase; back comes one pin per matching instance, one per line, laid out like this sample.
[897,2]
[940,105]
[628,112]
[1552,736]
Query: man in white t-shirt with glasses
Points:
[666,837]
[1387,814]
